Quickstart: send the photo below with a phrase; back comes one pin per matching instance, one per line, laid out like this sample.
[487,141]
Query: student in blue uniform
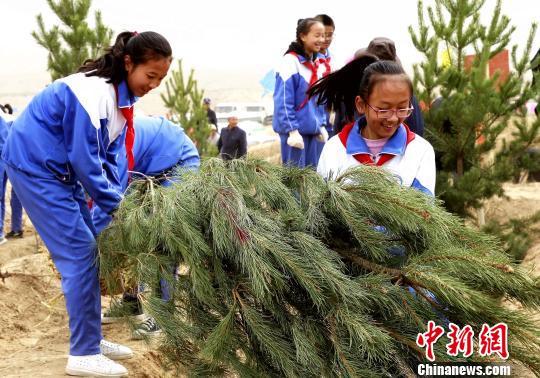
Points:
[6,120]
[298,120]
[160,148]
[329,29]
[65,142]
[327,61]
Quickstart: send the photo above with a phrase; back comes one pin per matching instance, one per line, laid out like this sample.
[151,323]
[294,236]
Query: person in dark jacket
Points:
[232,143]
[212,119]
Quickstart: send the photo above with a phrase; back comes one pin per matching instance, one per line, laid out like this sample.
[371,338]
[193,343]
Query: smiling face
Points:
[144,77]
[390,93]
[328,37]
[314,39]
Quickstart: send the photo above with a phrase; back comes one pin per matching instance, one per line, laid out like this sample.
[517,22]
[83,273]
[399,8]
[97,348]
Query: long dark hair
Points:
[357,78]
[141,47]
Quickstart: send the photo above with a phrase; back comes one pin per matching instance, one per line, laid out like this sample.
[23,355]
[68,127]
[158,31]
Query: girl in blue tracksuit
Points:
[297,119]
[16,208]
[66,141]
[159,148]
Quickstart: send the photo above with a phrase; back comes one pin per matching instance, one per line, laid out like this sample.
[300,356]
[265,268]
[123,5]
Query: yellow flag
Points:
[446,59]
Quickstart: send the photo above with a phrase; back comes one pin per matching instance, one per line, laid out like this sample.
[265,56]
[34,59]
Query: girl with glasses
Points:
[381,91]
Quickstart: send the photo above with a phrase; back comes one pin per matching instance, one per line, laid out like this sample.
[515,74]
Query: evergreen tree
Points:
[465,128]
[184,101]
[286,274]
[71,46]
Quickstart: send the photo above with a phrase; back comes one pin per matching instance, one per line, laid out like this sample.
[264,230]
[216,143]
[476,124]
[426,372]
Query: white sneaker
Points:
[94,365]
[3,240]
[115,351]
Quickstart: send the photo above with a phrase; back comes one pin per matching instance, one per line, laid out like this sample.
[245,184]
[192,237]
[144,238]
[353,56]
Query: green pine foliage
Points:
[515,233]
[285,274]
[76,41]
[474,105]
[184,101]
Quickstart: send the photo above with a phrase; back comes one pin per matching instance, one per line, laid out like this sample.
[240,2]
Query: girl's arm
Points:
[285,96]
[87,154]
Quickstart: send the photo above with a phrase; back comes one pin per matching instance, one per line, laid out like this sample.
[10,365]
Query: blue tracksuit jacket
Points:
[68,138]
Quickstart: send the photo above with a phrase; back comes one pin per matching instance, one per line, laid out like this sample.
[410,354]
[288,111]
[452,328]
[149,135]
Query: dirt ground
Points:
[34,336]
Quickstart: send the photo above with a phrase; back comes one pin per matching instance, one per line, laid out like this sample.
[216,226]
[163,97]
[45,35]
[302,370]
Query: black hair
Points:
[141,47]
[357,78]
[303,26]
[326,20]
[7,108]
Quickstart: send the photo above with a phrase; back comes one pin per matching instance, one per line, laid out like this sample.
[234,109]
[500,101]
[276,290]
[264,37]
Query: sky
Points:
[230,44]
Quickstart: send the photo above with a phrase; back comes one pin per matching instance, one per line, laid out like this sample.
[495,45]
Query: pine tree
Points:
[286,274]
[466,128]
[69,47]
[184,101]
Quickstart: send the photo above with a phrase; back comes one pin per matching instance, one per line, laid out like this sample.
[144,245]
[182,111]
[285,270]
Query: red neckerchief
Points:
[326,62]
[364,158]
[130,132]
[314,68]
[130,138]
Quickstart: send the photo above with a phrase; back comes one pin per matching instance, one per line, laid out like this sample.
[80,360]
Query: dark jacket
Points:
[416,119]
[232,143]
[211,116]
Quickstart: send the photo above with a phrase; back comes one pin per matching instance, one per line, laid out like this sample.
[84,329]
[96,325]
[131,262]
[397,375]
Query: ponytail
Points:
[341,86]
[357,78]
[140,47]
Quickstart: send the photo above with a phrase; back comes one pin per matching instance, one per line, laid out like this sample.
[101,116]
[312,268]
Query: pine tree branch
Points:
[411,311]
[502,267]
[422,213]
[335,343]
[405,341]
[395,275]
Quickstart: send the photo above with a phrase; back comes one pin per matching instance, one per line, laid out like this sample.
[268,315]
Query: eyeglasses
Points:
[388,113]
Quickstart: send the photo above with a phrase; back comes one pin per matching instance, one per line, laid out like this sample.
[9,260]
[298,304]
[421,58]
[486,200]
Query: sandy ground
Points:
[34,339]
[34,336]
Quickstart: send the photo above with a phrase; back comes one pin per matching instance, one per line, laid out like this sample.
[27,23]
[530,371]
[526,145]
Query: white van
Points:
[245,111]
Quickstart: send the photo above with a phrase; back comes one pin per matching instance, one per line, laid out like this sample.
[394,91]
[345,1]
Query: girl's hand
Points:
[323,136]
[295,140]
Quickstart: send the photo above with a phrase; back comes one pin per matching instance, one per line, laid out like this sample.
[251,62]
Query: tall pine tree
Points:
[76,42]
[184,100]
[477,128]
